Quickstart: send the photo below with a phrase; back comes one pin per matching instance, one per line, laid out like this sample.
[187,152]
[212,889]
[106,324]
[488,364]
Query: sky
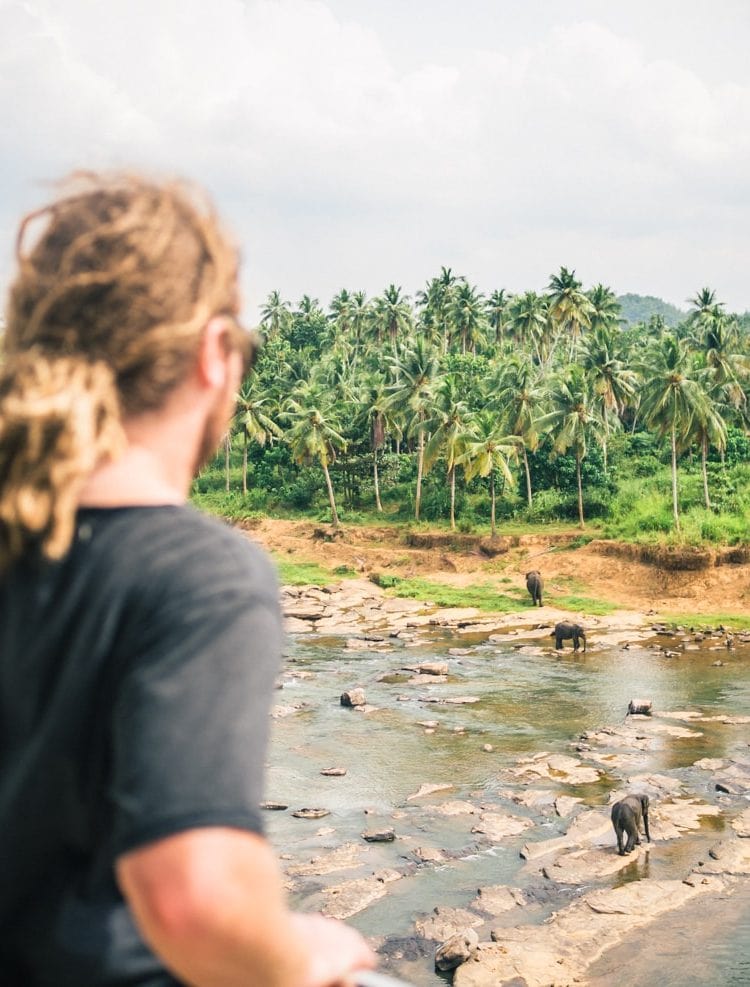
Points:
[359,143]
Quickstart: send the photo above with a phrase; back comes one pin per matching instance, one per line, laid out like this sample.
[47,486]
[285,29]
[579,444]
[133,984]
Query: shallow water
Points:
[529,702]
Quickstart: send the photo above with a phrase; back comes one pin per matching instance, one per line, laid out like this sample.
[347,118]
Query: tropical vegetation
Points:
[481,410]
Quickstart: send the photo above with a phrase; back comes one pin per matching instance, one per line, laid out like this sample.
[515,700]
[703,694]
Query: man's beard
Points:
[215,428]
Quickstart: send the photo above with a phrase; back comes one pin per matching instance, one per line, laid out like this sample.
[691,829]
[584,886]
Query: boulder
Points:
[456,950]
[354,697]
[379,835]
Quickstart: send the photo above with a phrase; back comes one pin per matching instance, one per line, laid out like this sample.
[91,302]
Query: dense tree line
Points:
[484,389]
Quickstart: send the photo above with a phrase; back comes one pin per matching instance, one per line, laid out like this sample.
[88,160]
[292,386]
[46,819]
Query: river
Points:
[530,700]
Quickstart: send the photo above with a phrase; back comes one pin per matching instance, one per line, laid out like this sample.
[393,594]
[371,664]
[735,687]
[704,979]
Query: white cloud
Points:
[339,165]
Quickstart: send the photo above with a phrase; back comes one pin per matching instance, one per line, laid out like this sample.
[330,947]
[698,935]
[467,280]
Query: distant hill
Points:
[640,308]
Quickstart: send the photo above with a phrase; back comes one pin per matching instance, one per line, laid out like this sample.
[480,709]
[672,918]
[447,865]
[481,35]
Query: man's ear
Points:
[214,353]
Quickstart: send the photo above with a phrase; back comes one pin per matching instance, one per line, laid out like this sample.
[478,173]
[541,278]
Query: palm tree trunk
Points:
[528,474]
[420,468]
[675,506]
[226,460]
[580,491]
[244,463]
[331,498]
[376,480]
[493,527]
[704,470]
[453,497]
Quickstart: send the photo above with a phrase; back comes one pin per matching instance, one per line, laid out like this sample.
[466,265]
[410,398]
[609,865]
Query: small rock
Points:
[379,835]
[333,772]
[354,697]
[429,789]
[433,668]
[311,813]
[487,748]
[456,950]
[641,707]
[717,664]
[274,806]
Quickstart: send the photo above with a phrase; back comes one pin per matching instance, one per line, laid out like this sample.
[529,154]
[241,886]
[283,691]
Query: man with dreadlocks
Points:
[139,640]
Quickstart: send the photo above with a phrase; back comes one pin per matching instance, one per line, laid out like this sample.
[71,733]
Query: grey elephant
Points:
[566,631]
[535,585]
[627,816]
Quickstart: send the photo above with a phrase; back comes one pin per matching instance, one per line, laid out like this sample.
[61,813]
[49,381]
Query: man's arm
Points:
[210,903]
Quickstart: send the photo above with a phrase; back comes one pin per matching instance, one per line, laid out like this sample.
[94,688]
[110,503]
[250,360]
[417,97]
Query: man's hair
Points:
[104,320]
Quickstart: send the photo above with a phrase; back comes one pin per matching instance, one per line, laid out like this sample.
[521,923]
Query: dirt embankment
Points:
[689,581]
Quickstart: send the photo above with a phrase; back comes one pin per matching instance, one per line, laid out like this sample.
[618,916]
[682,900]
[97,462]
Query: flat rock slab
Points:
[555,767]
[741,825]
[450,700]
[731,857]
[456,807]
[587,828]
[497,899]
[497,826]
[427,679]
[560,951]
[446,922]
[429,789]
[295,625]
[582,866]
[342,858]
[532,798]
[445,616]
[667,820]
[351,897]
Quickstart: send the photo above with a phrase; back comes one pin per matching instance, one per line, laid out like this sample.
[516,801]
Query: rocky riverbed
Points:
[444,834]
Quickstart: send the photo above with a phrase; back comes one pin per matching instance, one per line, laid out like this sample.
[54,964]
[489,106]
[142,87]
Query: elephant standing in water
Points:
[627,815]
[566,631]
[535,585]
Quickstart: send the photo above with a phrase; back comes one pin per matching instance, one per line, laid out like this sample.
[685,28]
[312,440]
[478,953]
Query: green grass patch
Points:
[586,604]
[297,573]
[482,596]
[702,621]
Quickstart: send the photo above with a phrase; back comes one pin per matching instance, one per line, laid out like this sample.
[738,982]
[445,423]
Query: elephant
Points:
[535,585]
[626,818]
[566,630]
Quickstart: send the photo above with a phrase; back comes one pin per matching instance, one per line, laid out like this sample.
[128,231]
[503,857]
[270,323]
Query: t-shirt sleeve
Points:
[190,726]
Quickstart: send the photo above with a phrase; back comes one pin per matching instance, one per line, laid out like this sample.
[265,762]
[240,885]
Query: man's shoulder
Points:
[181,544]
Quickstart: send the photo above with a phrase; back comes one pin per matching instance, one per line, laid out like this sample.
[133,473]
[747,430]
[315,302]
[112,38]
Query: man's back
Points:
[159,626]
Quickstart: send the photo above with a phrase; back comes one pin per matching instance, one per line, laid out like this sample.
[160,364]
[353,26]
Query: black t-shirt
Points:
[135,680]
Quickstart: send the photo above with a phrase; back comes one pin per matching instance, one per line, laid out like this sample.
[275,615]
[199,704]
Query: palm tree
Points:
[517,394]
[571,419]
[606,308]
[569,307]
[448,427]
[436,302]
[671,398]
[375,411]
[414,370]
[467,311]
[709,428]
[392,314]
[496,308]
[275,315]
[528,322]
[254,422]
[486,450]
[314,433]
[614,384]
